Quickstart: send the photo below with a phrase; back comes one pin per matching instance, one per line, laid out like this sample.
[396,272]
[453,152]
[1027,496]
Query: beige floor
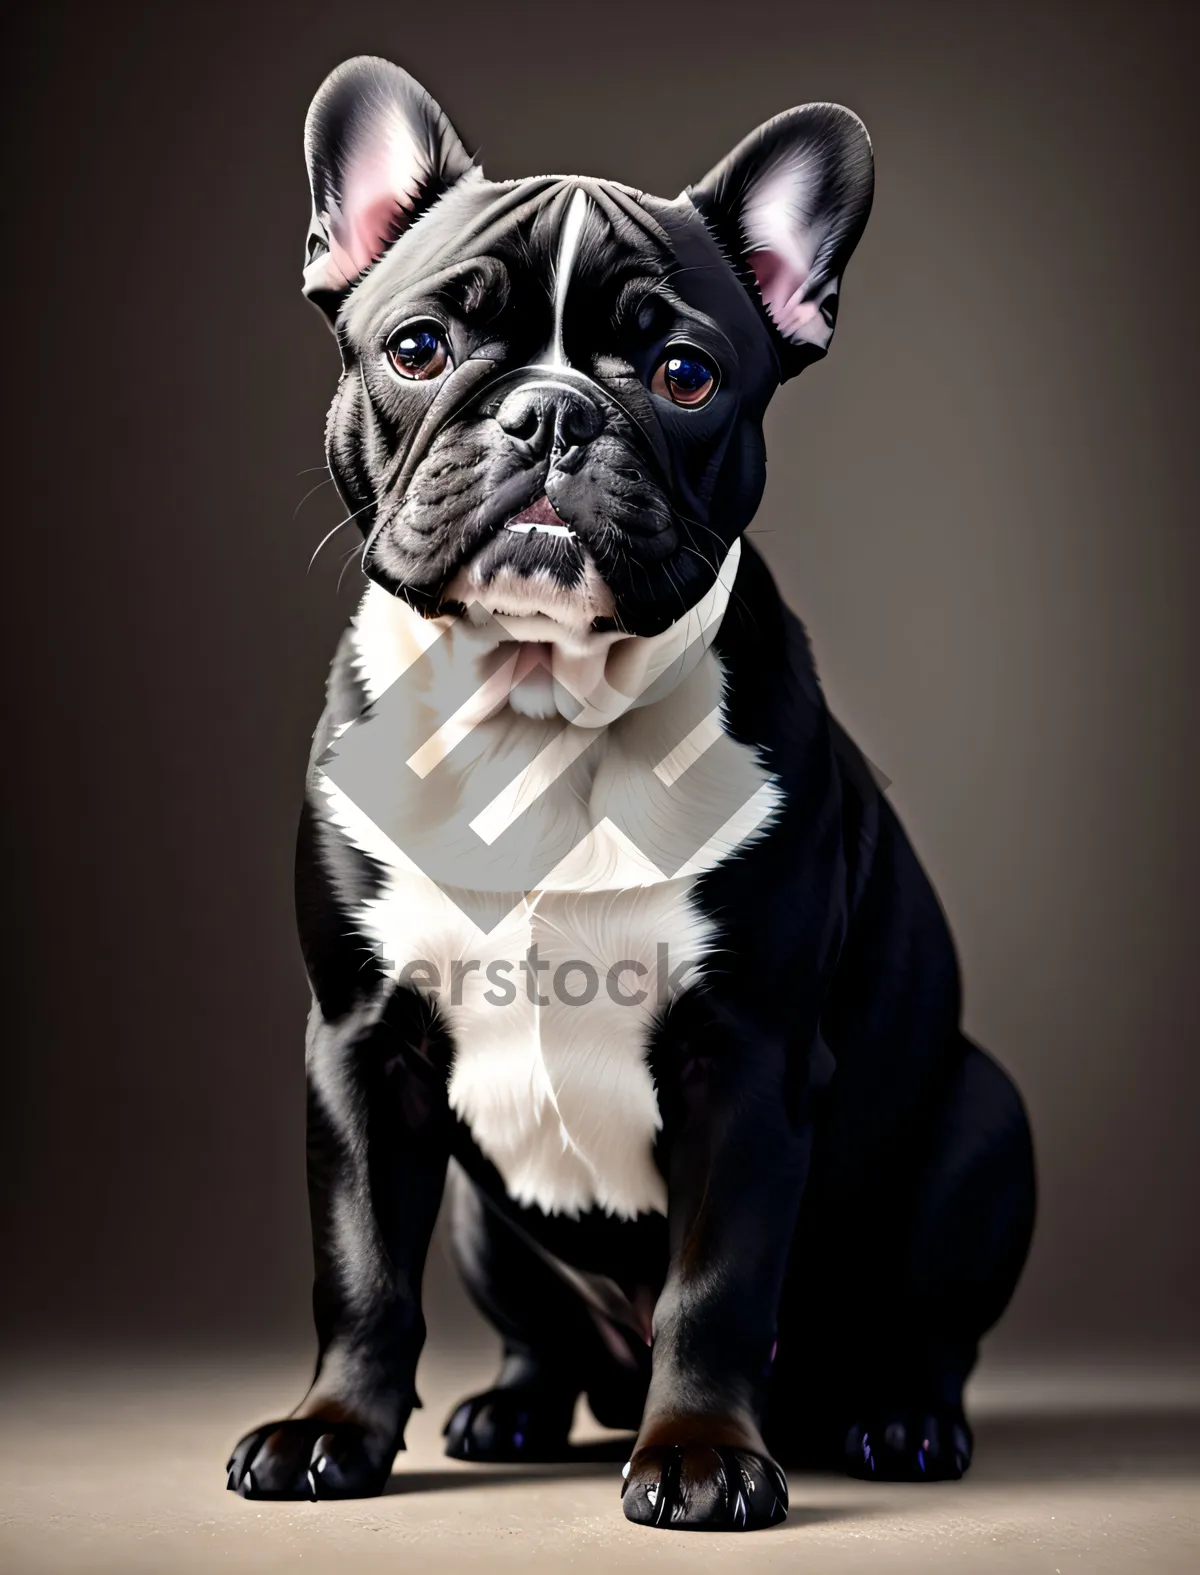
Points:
[122,1472]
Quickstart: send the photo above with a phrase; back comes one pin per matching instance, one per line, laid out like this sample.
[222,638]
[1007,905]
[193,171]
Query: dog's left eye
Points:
[419,351]
[685,379]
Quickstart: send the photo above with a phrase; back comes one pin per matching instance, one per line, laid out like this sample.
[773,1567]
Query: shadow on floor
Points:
[1063,1447]
[404,1482]
[603,1458]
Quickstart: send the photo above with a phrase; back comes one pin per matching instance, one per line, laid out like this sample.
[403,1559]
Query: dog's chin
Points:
[551,601]
[537,606]
[536,567]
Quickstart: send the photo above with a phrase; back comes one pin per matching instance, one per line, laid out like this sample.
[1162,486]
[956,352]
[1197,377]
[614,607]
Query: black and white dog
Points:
[596,898]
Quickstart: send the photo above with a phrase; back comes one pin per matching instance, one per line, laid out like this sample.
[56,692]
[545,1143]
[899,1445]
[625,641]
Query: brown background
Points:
[982,504]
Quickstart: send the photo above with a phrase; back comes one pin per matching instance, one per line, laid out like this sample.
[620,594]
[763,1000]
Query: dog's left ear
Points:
[379,152]
[789,205]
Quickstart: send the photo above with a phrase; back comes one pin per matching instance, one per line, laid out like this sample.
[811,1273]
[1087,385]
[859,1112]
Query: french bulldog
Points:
[613,937]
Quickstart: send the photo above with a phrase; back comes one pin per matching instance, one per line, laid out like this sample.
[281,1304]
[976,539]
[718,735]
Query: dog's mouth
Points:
[535,567]
[541,516]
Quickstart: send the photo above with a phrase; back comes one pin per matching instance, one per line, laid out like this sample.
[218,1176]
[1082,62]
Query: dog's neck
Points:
[532,661]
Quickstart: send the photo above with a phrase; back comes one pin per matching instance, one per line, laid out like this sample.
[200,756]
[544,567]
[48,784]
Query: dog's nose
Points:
[542,420]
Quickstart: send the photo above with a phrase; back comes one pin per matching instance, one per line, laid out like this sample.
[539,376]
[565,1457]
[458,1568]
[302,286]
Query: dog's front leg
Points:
[737,1158]
[378,1140]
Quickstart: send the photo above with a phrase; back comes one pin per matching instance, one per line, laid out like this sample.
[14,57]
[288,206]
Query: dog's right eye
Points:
[418,351]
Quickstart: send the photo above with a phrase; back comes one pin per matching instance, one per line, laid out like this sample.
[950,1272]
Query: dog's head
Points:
[553,388]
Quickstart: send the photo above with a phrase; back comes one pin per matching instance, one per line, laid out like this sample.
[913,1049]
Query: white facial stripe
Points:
[568,247]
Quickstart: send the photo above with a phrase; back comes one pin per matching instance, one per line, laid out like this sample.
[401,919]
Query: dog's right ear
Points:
[379,152]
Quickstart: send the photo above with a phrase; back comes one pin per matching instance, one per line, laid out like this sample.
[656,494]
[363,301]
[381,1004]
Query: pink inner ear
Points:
[362,235]
[781,286]
[380,187]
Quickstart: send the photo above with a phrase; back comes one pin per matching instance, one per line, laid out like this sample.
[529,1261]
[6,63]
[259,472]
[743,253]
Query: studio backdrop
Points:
[983,505]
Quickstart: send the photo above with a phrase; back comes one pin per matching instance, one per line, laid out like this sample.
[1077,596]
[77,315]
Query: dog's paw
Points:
[909,1446]
[525,1422]
[703,1487]
[312,1458]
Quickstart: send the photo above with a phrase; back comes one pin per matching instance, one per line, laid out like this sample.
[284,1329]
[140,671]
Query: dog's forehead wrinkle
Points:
[615,234]
[515,227]
[476,286]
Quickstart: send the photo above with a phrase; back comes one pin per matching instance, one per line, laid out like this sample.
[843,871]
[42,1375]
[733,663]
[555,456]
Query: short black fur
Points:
[850,1180]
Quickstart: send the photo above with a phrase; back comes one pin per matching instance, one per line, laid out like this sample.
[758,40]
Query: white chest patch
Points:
[551,995]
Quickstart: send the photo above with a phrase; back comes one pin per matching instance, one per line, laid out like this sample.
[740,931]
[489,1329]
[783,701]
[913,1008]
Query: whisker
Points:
[327,482]
[707,562]
[700,525]
[355,552]
[341,524]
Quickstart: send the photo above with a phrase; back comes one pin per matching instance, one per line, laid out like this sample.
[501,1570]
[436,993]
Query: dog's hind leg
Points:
[553,1348]
[918,1286]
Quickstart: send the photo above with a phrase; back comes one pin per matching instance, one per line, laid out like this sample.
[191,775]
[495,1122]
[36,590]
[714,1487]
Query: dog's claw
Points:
[914,1446]
[521,1423]
[696,1487]
[310,1458]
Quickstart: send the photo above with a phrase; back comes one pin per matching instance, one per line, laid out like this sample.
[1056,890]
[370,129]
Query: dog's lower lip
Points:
[523,528]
